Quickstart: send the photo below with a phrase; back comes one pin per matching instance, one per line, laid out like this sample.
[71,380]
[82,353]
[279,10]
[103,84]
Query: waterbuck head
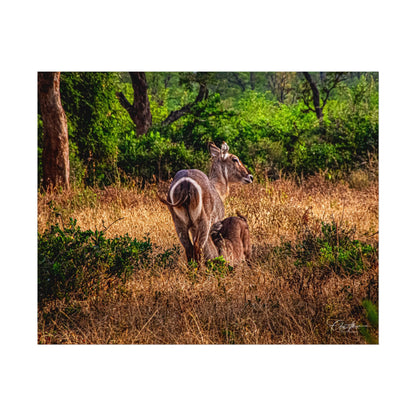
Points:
[226,168]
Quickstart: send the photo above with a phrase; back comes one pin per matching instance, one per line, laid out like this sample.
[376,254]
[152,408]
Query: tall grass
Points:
[313,276]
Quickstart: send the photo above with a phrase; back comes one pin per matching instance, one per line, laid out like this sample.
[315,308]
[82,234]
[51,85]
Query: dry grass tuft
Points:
[271,301]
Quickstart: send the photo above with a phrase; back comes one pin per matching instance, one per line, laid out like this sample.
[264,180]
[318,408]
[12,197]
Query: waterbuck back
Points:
[231,236]
[195,200]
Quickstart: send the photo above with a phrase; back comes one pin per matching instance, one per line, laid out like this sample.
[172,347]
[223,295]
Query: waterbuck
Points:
[195,200]
[232,239]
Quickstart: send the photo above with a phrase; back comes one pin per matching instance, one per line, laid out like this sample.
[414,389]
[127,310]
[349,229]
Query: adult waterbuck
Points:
[195,200]
[231,236]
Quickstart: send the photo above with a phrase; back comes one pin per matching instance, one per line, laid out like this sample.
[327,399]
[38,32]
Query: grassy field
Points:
[313,278]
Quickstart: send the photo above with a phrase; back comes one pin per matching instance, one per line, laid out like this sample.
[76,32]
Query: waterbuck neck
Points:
[218,175]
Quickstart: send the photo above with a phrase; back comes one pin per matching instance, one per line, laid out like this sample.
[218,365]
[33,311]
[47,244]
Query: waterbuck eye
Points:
[234,159]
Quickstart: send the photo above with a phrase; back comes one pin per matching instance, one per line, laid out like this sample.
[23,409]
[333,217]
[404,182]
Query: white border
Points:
[185,35]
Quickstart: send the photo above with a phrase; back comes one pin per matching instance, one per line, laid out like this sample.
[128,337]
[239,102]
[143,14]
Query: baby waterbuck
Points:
[232,239]
[195,200]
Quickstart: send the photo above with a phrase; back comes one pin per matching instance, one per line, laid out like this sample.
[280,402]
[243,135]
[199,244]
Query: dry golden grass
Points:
[270,301]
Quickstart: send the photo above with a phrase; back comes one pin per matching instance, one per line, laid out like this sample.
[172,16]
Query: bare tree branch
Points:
[177,114]
[139,111]
[237,80]
[125,103]
[339,76]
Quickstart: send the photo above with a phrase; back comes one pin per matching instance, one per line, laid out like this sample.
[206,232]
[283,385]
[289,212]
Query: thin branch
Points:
[338,78]
[124,102]
[306,99]
[237,80]
[177,114]
[106,228]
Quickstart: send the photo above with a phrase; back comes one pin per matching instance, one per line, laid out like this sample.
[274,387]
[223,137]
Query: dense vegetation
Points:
[266,118]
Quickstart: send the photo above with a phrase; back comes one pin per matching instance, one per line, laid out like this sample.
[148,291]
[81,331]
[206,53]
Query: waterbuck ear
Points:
[224,150]
[215,229]
[215,152]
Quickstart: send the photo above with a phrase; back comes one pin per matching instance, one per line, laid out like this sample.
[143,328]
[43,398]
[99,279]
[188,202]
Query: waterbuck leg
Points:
[187,245]
[204,240]
[182,231]
[210,250]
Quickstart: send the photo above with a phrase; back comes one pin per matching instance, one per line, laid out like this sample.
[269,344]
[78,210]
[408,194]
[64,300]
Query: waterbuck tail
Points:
[241,216]
[178,203]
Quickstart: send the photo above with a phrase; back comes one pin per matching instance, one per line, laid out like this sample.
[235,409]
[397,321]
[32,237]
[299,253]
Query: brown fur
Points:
[195,200]
[231,236]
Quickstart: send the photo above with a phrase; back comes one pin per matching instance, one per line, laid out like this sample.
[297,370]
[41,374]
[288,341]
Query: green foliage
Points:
[335,249]
[207,121]
[269,157]
[218,267]
[155,156]
[261,116]
[96,123]
[370,332]
[75,262]
[168,258]
[271,137]
[193,271]
[353,119]
[372,313]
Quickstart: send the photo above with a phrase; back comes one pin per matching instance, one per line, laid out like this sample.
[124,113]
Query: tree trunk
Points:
[139,111]
[253,80]
[315,96]
[55,154]
[238,81]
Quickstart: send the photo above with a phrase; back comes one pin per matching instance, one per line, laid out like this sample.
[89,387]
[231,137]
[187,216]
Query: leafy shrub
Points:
[315,157]
[96,123]
[153,155]
[369,332]
[207,121]
[352,120]
[168,258]
[218,268]
[268,157]
[334,249]
[76,262]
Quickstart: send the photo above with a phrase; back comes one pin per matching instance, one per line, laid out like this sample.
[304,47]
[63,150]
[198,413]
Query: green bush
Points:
[268,157]
[154,156]
[370,332]
[317,156]
[77,263]
[96,123]
[333,248]
[353,120]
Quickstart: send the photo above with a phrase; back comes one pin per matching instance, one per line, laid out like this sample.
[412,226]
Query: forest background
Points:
[284,122]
